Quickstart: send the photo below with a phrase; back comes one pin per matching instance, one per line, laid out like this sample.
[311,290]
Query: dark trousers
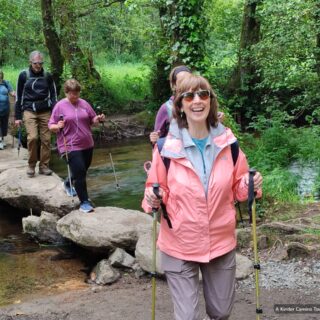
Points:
[4,125]
[79,162]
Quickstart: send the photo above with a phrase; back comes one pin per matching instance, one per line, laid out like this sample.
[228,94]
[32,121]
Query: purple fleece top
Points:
[163,119]
[77,125]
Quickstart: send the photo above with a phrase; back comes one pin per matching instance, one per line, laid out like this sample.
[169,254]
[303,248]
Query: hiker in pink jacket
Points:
[199,188]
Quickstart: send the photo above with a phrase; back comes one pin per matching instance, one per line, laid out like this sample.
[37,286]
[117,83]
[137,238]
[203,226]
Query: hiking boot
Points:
[46,171]
[86,207]
[1,145]
[30,172]
[71,192]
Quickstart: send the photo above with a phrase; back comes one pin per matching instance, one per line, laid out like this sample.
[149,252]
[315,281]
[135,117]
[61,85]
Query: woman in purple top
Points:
[164,115]
[71,119]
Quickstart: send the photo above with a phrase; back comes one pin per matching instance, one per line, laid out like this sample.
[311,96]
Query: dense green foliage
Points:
[126,50]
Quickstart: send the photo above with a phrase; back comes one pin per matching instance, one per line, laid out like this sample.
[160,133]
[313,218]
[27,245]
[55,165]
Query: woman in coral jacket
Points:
[199,188]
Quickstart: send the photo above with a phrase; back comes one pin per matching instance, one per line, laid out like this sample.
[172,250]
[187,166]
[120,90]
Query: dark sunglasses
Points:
[39,63]
[202,94]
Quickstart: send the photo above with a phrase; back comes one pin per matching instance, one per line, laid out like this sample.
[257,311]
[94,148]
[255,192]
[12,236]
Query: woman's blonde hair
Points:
[71,85]
[194,83]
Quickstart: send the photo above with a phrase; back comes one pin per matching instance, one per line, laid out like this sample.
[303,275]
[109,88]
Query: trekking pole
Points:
[154,252]
[252,215]
[114,172]
[19,140]
[67,159]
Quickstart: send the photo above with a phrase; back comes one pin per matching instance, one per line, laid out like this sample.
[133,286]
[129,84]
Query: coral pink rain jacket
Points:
[203,227]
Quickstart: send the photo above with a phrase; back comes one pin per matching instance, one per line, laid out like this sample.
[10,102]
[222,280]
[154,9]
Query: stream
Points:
[28,268]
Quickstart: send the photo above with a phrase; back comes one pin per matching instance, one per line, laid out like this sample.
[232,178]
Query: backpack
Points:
[42,103]
[5,106]
[234,152]
[28,76]
[5,83]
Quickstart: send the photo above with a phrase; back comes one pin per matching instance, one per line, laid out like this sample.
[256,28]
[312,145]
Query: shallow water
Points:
[28,268]
[128,158]
[308,173]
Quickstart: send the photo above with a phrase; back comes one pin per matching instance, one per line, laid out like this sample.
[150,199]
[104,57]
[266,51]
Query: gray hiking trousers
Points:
[218,278]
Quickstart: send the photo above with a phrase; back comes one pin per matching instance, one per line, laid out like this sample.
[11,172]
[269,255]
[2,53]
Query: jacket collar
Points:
[179,139]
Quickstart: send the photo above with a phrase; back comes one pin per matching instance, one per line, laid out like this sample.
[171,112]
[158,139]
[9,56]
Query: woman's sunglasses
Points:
[202,94]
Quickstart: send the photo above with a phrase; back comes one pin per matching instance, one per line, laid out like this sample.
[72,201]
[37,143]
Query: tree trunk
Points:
[245,78]
[81,66]
[183,40]
[160,84]
[317,49]
[52,42]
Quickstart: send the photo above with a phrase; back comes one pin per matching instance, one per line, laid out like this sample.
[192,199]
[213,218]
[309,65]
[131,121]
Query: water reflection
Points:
[12,240]
[128,158]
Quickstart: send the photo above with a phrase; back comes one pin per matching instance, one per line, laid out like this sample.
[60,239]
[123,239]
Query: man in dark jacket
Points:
[36,96]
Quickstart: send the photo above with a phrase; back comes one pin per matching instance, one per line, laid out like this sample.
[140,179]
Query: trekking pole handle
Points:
[251,193]
[61,118]
[100,113]
[156,190]
[252,172]
[162,205]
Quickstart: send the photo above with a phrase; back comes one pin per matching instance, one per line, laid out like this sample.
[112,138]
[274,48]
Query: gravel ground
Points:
[300,274]
[293,282]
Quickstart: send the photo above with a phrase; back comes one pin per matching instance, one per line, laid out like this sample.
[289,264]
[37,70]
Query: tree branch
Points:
[97,5]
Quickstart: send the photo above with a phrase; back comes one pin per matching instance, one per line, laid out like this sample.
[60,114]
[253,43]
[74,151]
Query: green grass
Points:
[315,232]
[11,74]
[126,82]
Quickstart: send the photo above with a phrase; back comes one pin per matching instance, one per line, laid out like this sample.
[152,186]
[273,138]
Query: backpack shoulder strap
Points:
[46,75]
[235,152]
[5,83]
[169,106]
[27,71]
[166,161]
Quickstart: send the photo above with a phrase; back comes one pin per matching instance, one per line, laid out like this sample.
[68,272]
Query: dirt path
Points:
[131,299]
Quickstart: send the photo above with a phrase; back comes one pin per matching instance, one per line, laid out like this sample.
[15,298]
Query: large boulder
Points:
[41,193]
[105,229]
[144,253]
